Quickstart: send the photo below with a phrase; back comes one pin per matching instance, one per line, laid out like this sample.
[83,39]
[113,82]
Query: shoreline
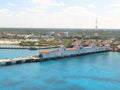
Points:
[17,46]
[9,42]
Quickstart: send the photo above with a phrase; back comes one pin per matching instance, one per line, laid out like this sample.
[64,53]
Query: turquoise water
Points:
[90,72]
[13,53]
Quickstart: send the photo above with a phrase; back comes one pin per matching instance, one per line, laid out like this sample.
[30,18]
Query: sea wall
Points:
[13,61]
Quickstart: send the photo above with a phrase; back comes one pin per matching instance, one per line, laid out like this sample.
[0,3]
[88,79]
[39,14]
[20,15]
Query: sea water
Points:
[99,71]
[13,53]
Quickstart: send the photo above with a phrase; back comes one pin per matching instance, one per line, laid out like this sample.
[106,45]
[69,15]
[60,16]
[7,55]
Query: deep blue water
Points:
[90,72]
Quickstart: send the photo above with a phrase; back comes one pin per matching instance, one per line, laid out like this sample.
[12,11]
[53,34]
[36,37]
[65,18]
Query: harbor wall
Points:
[62,53]
[32,59]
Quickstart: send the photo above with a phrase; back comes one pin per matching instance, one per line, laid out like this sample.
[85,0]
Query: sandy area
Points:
[9,42]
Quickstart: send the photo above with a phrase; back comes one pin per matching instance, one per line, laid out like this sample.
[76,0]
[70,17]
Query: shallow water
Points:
[13,53]
[89,72]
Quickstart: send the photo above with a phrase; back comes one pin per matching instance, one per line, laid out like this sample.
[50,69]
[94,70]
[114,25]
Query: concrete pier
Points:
[29,59]
[12,61]
[26,47]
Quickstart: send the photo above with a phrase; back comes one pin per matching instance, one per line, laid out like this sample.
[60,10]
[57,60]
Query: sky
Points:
[60,13]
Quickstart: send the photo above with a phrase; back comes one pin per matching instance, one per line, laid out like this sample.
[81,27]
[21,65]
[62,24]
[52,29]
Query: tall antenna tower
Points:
[96,28]
[96,24]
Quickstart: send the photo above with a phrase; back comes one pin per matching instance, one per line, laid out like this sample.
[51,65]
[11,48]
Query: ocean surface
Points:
[13,53]
[99,71]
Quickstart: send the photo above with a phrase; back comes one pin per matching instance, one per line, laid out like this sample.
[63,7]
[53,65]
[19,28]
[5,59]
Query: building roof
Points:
[45,51]
[71,48]
[88,47]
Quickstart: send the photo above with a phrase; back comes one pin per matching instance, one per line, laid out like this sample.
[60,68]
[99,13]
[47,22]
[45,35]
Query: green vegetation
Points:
[66,42]
[89,33]
[115,44]
[39,43]
[27,43]
[83,35]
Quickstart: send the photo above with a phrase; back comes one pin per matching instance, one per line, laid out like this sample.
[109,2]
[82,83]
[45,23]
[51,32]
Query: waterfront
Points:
[89,72]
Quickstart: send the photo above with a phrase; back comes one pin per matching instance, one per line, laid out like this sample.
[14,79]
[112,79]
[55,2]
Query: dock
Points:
[61,52]
[20,60]
[31,59]
[27,47]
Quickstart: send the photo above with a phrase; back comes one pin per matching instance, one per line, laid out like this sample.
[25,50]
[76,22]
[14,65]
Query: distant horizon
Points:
[67,28]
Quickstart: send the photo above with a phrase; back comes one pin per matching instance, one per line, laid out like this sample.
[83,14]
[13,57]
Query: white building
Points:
[78,50]
[62,34]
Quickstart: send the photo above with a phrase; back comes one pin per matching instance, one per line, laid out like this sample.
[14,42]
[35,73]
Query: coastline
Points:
[15,44]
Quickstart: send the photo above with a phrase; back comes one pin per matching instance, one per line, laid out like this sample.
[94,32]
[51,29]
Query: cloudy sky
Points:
[60,13]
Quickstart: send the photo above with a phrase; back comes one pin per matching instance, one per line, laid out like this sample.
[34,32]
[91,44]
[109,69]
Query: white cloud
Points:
[41,6]
[40,15]
[11,4]
[116,11]
[75,16]
[115,4]
[35,10]
[46,2]
[91,5]
[5,12]
[75,10]
[115,7]
[112,21]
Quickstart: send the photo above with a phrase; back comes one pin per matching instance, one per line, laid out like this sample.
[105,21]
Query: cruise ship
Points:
[62,51]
